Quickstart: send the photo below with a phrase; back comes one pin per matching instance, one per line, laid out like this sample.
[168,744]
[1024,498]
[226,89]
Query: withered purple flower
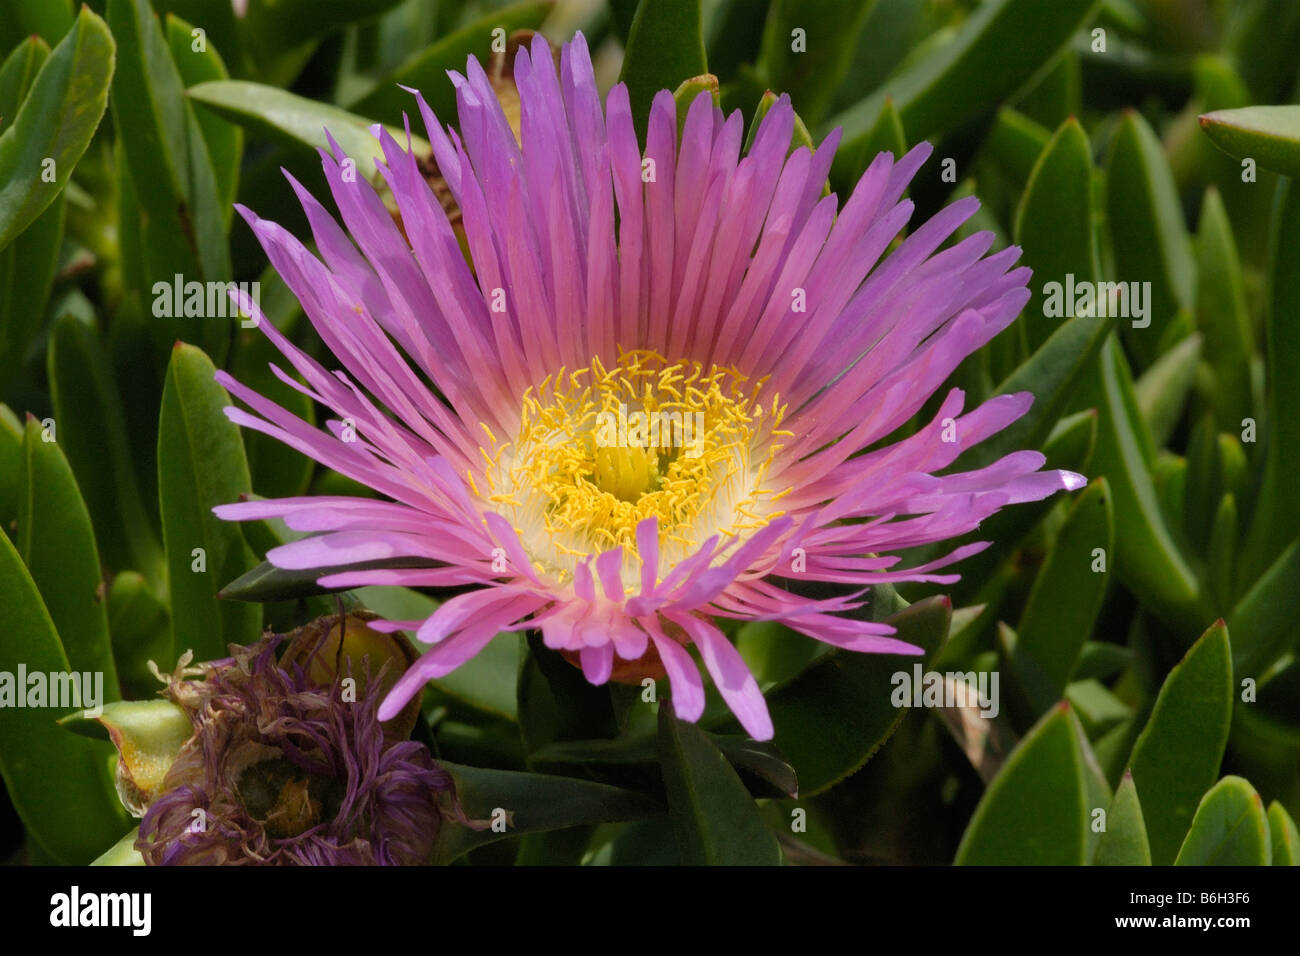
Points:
[289,764]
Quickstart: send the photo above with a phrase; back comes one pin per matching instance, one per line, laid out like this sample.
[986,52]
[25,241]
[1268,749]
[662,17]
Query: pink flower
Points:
[655,383]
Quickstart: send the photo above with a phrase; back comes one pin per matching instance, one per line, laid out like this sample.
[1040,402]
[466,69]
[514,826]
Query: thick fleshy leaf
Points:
[1234,467]
[564,847]
[1176,758]
[92,432]
[1097,708]
[999,47]
[1034,812]
[1221,314]
[531,803]
[1147,232]
[55,123]
[1148,559]
[1124,841]
[137,622]
[56,542]
[221,27]
[1162,390]
[298,121]
[170,209]
[761,766]
[715,820]
[733,33]
[832,716]
[1101,659]
[1285,838]
[1221,553]
[1017,143]
[17,74]
[121,853]
[1263,622]
[893,29]
[1065,599]
[773,652]
[275,25]
[165,151]
[1054,226]
[80,817]
[557,702]
[426,70]
[201,465]
[887,136]
[1230,828]
[27,270]
[1276,523]
[11,456]
[1273,717]
[1262,45]
[1097,794]
[1202,484]
[1055,96]
[664,47]
[1270,135]
[28,264]
[49,19]
[808,64]
[198,61]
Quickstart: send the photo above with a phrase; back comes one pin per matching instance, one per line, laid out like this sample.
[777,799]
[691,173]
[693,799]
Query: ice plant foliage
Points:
[753,335]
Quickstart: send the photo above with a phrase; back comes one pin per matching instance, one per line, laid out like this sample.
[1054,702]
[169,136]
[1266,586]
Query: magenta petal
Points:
[438,662]
[684,678]
[731,676]
[597,662]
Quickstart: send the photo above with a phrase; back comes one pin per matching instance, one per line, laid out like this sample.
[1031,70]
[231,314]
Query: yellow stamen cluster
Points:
[601,449]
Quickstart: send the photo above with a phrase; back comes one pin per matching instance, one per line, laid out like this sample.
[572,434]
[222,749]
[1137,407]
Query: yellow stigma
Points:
[626,473]
[600,449]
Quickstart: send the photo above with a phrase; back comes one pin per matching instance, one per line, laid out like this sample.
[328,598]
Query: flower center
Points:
[601,449]
[626,472]
[286,799]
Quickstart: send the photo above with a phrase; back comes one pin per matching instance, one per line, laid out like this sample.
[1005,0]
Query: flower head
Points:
[287,768]
[660,380]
